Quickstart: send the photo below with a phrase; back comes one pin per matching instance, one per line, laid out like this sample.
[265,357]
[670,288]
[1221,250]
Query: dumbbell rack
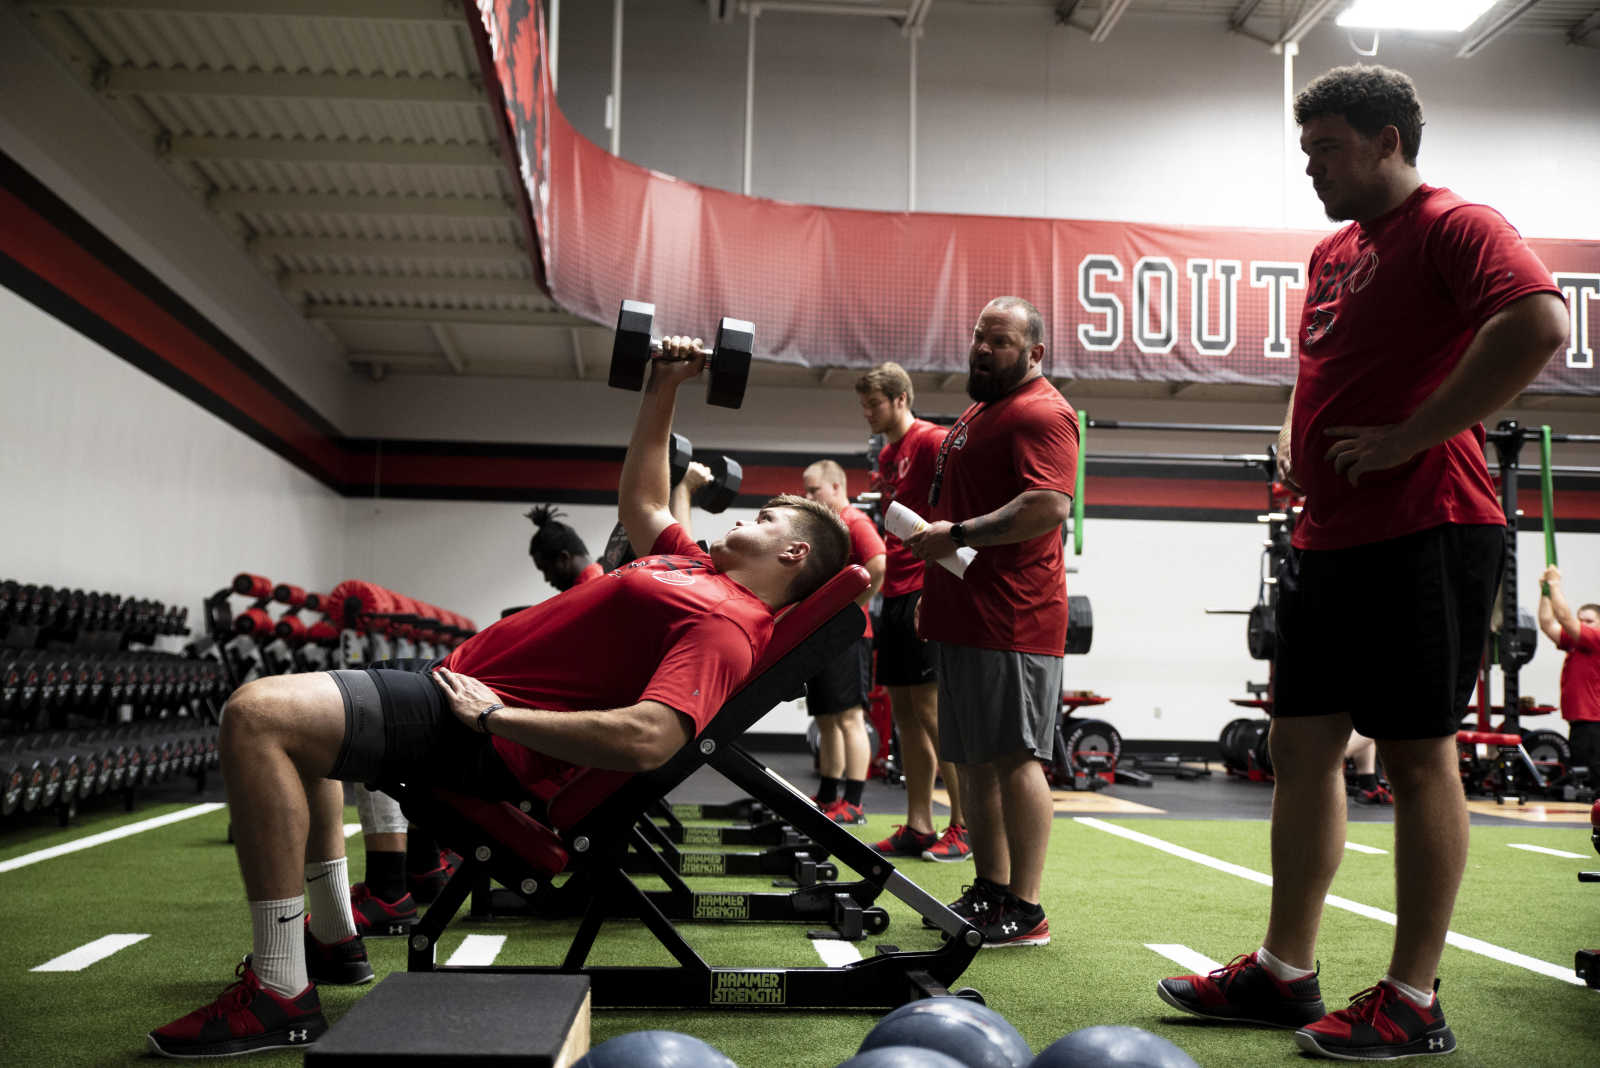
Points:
[88,709]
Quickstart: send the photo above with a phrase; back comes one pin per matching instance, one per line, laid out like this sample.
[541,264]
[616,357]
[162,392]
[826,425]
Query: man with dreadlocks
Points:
[557,551]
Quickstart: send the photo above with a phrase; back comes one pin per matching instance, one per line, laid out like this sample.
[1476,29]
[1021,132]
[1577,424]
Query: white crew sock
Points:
[1283,972]
[328,896]
[1422,999]
[278,935]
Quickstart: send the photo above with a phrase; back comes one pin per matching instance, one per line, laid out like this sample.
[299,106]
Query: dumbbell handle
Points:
[655,351]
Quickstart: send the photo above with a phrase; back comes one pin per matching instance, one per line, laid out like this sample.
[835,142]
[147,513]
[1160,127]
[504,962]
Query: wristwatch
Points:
[958,535]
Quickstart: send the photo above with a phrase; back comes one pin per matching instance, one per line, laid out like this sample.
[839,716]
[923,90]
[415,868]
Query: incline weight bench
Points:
[592,832]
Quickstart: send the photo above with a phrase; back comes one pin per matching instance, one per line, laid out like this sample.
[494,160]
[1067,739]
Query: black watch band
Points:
[958,534]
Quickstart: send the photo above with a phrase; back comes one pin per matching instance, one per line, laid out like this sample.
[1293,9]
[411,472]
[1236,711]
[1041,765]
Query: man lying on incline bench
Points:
[619,673]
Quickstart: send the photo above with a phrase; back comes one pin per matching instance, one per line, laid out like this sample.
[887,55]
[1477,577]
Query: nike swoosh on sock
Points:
[296,916]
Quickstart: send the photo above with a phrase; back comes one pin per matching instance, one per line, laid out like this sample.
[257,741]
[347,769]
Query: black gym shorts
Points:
[398,729]
[1391,632]
[843,683]
[903,658]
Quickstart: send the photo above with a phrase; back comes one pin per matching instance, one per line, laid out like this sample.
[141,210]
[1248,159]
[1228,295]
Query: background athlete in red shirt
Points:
[616,673]
[907,664]
[1578,635]
[1423,317]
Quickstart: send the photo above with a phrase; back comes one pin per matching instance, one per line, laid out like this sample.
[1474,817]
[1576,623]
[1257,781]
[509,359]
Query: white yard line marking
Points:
[477,950]
[110,836]
[836,952]
[1547,852]
[1198,963]
[1357,847]
[351,828]
[1460,941]
[83,956]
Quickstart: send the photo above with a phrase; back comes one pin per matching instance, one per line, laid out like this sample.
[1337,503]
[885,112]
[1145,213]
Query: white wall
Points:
[1172,120]
[112,481]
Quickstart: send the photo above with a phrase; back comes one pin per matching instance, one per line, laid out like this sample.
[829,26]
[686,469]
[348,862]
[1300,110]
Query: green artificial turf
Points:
[1106,897]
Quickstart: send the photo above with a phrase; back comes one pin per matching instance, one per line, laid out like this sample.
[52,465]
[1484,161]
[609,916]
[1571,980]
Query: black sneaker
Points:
[975,901]
[1381,1024]
[1013,924]
[377,918]
[342,963]
[247,1017]
[1245,992]
[425,887]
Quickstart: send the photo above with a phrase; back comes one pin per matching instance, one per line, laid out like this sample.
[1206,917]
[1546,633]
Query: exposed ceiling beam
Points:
[1309,16]
[1492,29]
[333,204]
[375,285]
[273,150]
[286,86]
[405,250]
[1584,28]
[447,345]
[1242,13]
[356,313]
[1110,13]
[397,361]
[446,11]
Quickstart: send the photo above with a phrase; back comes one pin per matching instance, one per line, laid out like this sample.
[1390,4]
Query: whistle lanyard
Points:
[960,428]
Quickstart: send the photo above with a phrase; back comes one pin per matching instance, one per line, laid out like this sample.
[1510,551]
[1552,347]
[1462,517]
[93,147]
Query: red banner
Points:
[841,288]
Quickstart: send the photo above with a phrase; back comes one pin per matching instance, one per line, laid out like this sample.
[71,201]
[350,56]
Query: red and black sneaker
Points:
[1378,795]
[1381,1024]
[377,918]
[341,963]
[842,811]
[247,1017]
[1245,992]
[951,847]
[425,887]
[1013,924]
[905,842]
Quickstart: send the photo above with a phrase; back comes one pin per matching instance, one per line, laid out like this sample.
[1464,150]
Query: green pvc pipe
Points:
[1548,493]
[1077,495]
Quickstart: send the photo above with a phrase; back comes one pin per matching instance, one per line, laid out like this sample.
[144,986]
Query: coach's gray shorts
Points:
[996,701]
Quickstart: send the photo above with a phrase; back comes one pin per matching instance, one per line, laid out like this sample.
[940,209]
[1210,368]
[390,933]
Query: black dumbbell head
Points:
[630,351]
[730,362]
[723,489]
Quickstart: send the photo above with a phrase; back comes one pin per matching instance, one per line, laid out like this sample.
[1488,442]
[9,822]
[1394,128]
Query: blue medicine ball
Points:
[901,1057]
[1113,1046]
[654,1049]
[972,1034]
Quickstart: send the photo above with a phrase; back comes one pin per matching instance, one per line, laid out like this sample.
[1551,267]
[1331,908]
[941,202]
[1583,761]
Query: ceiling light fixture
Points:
[1448,16]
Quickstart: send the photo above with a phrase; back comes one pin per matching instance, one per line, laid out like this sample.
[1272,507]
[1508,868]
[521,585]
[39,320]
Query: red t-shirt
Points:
[589,574]
[1580,673]
[1014,596]
[666,628]
[905,471]
[865,543]
[1391,305]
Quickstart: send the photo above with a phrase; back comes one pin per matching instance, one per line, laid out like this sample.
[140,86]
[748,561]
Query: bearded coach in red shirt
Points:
[1003,483]
[1424,316]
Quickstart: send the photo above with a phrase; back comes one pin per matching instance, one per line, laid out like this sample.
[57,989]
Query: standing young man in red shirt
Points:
[617,673]
[1003,483]
[1577,635]
[906,662]
[1422,318]
[837,696]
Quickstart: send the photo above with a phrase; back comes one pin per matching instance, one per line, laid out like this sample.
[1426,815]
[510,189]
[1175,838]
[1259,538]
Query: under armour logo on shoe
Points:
[1009,928]
[1436,1043]
[299,1034]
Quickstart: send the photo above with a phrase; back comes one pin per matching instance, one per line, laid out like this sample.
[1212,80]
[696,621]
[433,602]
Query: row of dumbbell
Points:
[39,771]
[75,609]
[32,680]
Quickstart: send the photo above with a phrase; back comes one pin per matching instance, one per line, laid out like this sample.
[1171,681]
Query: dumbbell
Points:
[727,363]
[727,475]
